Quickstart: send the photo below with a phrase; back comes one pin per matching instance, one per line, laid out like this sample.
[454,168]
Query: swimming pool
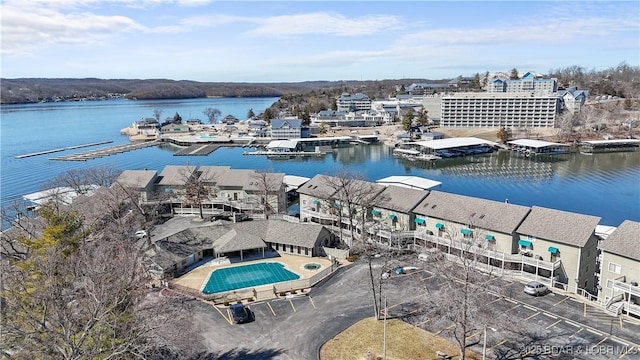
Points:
[244,276]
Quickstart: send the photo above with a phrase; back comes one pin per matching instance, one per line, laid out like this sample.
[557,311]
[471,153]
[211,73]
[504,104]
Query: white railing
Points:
[627,288]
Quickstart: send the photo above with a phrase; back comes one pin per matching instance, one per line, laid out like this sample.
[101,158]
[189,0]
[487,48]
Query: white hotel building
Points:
[526,102]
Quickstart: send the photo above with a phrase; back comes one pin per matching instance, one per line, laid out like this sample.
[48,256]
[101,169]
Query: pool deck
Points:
[197,278]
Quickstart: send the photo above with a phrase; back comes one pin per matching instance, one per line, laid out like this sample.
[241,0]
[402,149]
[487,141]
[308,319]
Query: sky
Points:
[293,41]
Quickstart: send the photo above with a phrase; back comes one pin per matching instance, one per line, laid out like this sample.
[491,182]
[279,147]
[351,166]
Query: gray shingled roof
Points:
[211,174]
[560,226]
[319,187]
[235,241]
[137,179]
[400,199]
[482,213]
[175,175]
[624,241]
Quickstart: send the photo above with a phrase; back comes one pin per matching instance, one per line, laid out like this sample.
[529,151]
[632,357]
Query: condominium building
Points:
[527,84]
[353,102]
[498,109]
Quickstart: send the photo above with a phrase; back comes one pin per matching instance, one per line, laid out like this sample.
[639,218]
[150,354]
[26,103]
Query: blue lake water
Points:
[605,185]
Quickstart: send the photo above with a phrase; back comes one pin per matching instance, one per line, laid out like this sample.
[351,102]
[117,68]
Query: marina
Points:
[538,147]
[62,149]
[198,150]
[595,146]
[98,153]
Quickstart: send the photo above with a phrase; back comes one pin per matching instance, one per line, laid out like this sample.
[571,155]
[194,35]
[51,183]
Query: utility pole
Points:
[384,332]
[484,343]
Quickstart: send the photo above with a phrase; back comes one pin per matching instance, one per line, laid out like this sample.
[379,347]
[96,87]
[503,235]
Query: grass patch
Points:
[363,340]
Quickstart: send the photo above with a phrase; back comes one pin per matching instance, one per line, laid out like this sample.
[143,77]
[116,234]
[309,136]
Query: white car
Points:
[535,288]
[141,234]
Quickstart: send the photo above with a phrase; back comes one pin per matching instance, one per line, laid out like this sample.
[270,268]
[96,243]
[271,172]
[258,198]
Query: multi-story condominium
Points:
[355,102]
[620,270]
[142,182]
[573,99]
[528,84]
[498,110]
[286,128]
[554,235]
[343,118]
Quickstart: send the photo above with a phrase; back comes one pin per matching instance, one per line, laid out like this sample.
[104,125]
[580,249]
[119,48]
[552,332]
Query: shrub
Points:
[282,293]
[352,258]
[250,299]
[294,292]
[225,303]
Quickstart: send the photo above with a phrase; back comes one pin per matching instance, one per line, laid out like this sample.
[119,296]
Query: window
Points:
[609,284]
[614,268]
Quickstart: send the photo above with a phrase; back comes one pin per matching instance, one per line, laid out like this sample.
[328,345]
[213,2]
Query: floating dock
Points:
[88,145]
[595,146]
[285,154]
[197,150]
[98,153]
[39,153]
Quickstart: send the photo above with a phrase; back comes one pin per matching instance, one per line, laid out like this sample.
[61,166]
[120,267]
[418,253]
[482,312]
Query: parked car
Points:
[240,313]
[535,288]
[222,216]
[242,217]
[141,234]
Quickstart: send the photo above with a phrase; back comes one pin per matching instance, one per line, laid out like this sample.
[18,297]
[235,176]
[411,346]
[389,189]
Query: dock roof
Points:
[485,214]
[613,141]
[534,143]
[624,241]
[414,182]
[453,143]
[559,226]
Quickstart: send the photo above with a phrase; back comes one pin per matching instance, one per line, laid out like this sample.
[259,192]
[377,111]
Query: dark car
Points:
[240,313]
[222,216]
[242,217]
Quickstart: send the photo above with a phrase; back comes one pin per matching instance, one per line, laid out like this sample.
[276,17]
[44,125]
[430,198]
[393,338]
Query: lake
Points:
[605,185]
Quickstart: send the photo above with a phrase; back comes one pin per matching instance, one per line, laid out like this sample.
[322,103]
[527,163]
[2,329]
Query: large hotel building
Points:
[527,102]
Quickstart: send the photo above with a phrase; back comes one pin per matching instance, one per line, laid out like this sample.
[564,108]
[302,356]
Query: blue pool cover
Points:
[245,276]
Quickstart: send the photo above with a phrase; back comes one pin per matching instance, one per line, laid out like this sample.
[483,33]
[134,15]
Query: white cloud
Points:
[322,23]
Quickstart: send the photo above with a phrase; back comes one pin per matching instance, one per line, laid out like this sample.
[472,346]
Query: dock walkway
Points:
[98,153]
[198,150]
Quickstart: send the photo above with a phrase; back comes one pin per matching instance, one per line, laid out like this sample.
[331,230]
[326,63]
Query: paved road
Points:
[543,327]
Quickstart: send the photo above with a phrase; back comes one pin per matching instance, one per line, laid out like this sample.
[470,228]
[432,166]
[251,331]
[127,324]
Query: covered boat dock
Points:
[537,147]
[593,146]
[453,147]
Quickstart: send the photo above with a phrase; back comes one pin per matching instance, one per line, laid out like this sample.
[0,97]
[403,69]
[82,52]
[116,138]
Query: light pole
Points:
[384,331]
[484,343]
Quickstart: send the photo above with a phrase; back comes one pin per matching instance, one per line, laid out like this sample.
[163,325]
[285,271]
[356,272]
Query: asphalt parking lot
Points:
[552,326]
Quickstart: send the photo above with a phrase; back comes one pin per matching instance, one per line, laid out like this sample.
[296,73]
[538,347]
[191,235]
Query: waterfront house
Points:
[573,99]
[174,128]
[286,128]
[554,235]
[620,270]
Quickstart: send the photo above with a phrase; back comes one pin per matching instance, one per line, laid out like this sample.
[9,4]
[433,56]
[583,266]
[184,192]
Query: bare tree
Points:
[462,301]
[72,298]
[84,180]
[157,113]
[269,185]
[195,187]
[212,114]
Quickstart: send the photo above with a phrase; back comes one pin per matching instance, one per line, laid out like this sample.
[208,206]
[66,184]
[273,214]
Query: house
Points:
[142,182]
[573,99]
[451,221]
[286,128]
[172,181]
[620,270]
[554,235]
[173,128]
[230,120]
[315,196]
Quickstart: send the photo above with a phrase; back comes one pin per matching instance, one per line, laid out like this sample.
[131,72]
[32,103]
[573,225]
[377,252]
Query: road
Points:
[545,327]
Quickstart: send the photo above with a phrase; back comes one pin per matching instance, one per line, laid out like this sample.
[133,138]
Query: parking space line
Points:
[492,301]
[601,341]
[511,301]
[530,308]
[424,322]
[572,323]
[312,303]
[225,317]
[629,349]
[439,332]
[550,315]
[594,332]
[496,345]
[554,324]
[561,301]
[576,333]
[404,302]
[271,308]
[474,334]
[512,308]
[532,316]
[293,307]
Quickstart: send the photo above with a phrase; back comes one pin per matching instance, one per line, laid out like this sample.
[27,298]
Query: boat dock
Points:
[596,146]
[197,150]
[39,153]
[98,153]
[62,149]
[285,153]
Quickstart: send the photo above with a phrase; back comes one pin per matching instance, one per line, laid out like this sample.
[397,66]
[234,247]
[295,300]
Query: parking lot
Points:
[546,327]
